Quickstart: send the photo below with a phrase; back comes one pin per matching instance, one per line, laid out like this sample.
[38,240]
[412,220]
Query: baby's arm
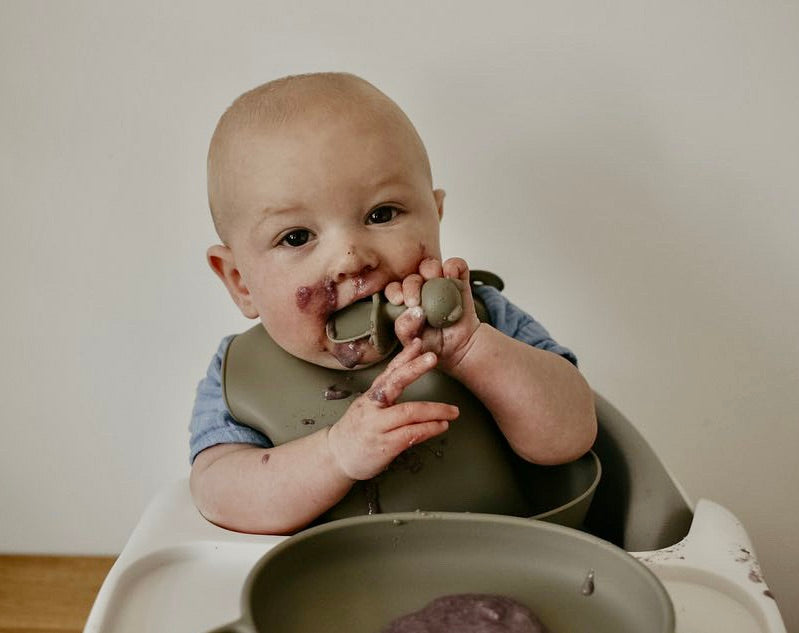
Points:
[280,490]
[540,401]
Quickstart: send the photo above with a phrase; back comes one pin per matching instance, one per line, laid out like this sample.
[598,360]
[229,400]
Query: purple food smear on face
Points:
[349,354]
[330,293]
[303,295]
[360,283]
[319,298]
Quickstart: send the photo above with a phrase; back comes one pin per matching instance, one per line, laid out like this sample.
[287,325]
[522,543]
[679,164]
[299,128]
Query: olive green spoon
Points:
[440,302]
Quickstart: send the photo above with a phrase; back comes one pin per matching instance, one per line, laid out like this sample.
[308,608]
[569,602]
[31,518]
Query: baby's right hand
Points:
[374,430]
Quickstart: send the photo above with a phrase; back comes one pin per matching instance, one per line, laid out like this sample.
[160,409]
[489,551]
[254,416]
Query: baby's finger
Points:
[393,292]
[430,268]
[412,434]
[412,290]
[413,413]
[410,324]
[408,353]
[389,385]
[456,268]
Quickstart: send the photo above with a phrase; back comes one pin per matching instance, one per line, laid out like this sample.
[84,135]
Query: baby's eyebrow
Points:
[271,211]
[281,209]
[389,179]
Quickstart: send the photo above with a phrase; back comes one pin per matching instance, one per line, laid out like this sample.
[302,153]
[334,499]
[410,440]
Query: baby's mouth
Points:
[350,322]
[372,318]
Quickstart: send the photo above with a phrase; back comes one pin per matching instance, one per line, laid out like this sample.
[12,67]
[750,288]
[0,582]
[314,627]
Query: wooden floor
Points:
[48,594]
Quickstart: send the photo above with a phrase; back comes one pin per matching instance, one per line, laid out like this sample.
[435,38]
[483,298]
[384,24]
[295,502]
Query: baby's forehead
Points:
[313,122]
[311,109]
[301,107]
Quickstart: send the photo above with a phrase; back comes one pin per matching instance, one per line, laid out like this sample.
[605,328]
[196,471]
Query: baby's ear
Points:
[439,194]
[221,260]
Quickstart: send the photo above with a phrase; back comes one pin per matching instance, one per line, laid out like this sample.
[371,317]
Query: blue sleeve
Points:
[211,422]
[516,323]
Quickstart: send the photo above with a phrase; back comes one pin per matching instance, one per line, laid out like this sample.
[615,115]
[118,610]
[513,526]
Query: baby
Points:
[321,193]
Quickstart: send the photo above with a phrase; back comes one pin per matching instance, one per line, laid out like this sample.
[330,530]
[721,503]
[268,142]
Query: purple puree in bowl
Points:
[469,613]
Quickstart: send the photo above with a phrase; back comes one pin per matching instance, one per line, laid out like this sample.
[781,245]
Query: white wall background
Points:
[630,168]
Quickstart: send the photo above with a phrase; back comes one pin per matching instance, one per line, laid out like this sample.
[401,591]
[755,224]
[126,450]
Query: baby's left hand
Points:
[449,344]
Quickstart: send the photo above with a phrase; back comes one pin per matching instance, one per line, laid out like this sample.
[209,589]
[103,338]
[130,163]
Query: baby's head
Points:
[321,192]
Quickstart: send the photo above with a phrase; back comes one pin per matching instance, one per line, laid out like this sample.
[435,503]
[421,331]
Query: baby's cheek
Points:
[410,265]
[299,335]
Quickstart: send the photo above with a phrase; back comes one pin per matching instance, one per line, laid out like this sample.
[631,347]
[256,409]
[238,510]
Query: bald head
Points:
[284,101]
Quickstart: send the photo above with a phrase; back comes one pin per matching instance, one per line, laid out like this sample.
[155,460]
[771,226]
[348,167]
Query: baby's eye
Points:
[295,238]
[381,215]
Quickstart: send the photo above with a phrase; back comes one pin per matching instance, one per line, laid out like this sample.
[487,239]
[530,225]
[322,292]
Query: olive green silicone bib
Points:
[469,468]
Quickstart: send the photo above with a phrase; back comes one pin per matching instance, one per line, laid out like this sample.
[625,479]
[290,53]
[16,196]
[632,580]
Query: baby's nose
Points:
[355,260]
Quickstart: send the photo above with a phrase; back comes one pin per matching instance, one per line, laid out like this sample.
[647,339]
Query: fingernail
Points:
[416,312]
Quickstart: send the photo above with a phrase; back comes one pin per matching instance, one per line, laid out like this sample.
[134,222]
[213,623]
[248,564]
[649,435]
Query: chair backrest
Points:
[637,505]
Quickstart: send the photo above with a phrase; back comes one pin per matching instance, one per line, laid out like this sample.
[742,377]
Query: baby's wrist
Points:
[460,363]
[332,457]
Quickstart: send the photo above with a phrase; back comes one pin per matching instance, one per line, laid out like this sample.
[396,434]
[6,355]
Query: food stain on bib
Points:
[333,392]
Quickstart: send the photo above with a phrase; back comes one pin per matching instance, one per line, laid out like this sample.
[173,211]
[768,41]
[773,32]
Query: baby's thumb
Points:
[409,325]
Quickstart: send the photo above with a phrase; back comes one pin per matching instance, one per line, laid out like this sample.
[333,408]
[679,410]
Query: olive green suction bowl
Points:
[562,494]
[356,575]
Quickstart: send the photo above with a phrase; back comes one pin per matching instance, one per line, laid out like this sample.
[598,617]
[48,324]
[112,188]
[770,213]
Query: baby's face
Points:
[329,210]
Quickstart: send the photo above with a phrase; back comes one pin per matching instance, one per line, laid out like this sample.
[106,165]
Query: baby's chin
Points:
[353,355]
[356,354]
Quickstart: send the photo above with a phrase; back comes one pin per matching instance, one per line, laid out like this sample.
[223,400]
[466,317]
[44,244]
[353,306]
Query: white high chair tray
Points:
[179,573]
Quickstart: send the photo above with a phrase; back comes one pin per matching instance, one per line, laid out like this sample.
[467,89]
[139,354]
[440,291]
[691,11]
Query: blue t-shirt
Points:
[211,422]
